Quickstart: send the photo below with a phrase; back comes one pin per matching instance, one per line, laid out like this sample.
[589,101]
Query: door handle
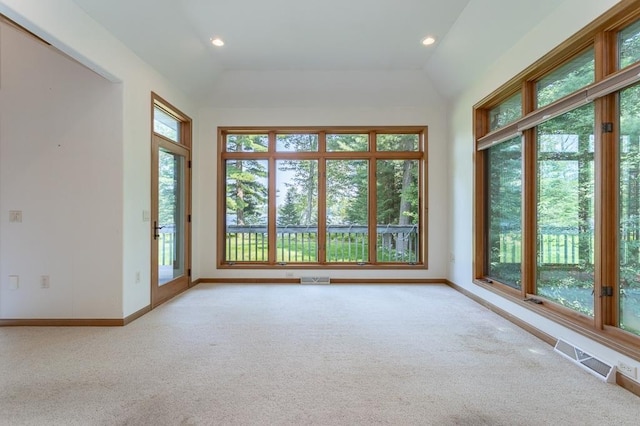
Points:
[156,228]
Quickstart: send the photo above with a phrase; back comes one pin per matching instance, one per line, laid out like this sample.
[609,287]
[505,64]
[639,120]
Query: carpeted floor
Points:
[302,355]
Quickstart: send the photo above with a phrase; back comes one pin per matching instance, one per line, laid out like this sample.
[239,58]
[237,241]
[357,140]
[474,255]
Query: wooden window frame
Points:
[602,35]
[323,155]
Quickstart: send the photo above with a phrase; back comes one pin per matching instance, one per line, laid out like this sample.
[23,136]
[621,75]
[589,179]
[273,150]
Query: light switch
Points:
[146,216]
[15,216]
[14,282]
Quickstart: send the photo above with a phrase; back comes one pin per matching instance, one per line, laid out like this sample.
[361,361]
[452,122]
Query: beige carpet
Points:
[296,355]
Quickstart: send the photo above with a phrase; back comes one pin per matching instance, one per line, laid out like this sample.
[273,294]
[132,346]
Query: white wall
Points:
[61,165]
[330,98]
[68,28]
[566,20]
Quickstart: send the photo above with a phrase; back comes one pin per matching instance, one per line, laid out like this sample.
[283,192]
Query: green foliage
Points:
[169,175]
[247,191]
[345,143]
[246,247]
[505,113]
[504,163]
[347,192]
[300,247]
[306,142]
[571,286]
[629,40]
[574,75]
[288,213]
[397,192]
[301,199]
[347,196]
[397,142]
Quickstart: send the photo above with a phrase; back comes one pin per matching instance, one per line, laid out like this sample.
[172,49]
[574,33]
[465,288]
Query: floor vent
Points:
[588,362]
[315,280]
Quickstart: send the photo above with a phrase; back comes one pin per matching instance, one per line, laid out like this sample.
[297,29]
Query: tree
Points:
[504,165]
[246,190]
[168,168]
[305,174]
[288,213]
[347,192]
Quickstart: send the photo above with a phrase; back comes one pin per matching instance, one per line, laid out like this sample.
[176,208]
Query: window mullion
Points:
[322,206]
[480,269]
[271,224]
[606,197]
[373,209]
[529,197]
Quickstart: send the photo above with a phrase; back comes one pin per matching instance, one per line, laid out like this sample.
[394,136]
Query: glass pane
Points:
[297,143]
[397,211]
[568,78]
[505,212]
[629,45]
[297,211]
[247,209]
[505,113]
[347,211]
[400,142]
[166,125]
[348,142]
[566,209]
[170,216]
[629,274]
[247,143]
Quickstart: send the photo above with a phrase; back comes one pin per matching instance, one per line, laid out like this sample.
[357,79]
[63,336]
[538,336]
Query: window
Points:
[629,208]
[629,45]
[504,242]
[565,221]
[336,197]
[506,112]
[568,78]
[166,124]
[347,211]
[558,184]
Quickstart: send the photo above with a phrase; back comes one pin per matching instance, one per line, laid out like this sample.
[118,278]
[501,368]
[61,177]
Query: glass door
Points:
[170,218]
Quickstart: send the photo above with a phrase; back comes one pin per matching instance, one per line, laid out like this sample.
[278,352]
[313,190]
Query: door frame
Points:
[160,294]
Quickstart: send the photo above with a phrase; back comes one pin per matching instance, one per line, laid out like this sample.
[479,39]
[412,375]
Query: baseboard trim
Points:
[68,322]
[134,316]
[61,322]
[628,384]
[418,281]
[621,380]
[547,338]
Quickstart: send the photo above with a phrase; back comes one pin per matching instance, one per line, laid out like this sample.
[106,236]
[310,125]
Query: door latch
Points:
[156,228]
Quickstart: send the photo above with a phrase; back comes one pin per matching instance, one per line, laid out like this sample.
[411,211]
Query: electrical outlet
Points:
[138,276]
[44,281]
[628,370]
[288,274]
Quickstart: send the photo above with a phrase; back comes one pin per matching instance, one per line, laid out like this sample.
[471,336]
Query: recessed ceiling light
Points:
[217,42]
[428,41]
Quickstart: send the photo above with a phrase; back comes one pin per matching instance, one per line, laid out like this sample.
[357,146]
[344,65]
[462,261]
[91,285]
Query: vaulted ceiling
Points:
[174,36]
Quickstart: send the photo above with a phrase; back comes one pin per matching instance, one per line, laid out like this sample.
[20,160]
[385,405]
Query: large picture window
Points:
[335,197]
[557,173]
[504,242]
[565,222]
[629,210]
